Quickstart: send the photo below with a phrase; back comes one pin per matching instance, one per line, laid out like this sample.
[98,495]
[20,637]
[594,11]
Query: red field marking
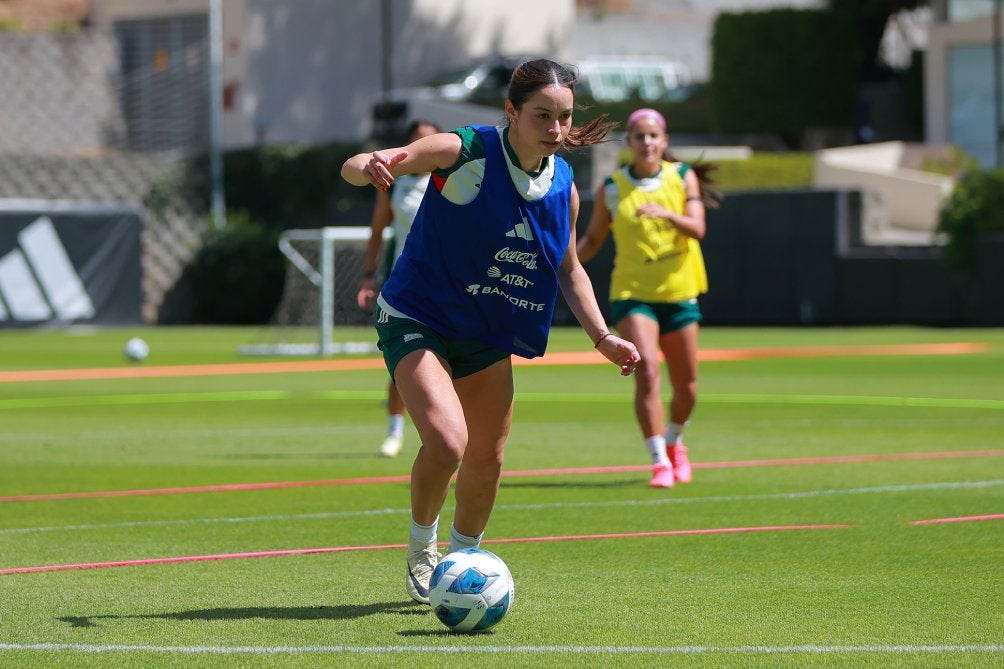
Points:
[962,519]
[667,533]
[345,549]
[230,487]
[946,348]
[561,471]
[221,369]
[559,358]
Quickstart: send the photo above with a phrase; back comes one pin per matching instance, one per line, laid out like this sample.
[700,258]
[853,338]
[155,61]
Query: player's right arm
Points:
[599,227]
[382,217]
[379,167]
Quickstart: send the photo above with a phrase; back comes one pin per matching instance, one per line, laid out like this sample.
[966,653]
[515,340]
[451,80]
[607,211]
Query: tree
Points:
[871,17]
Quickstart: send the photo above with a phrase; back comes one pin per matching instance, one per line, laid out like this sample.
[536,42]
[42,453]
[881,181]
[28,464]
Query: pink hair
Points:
[645,112]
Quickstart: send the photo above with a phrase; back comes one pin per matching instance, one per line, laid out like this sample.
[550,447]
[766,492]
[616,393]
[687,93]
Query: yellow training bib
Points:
[653,261]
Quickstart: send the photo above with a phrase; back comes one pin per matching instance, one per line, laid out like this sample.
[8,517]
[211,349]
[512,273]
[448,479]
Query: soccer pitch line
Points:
[512,540]
[807,649]
[554,358]
[404,478]
[285,518]
[143,562]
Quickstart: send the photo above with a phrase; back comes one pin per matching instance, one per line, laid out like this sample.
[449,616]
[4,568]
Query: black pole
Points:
[998,100]
[387,42]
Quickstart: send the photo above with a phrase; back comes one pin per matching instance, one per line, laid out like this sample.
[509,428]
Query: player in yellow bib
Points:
[655,209]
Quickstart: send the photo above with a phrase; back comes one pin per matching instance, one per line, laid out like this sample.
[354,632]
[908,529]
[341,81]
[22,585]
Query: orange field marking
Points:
[562,358]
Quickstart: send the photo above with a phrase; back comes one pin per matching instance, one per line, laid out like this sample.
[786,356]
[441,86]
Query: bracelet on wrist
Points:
[600,340]
[369,275]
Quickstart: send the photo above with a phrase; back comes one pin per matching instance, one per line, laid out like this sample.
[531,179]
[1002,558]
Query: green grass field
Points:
[820,464]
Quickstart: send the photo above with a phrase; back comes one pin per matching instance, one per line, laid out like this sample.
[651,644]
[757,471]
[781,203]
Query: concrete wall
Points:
[57,94]
[908,201]
[310,70]
[314,68]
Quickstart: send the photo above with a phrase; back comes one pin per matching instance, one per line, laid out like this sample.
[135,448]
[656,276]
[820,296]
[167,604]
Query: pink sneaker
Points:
[662,477]
[681,464]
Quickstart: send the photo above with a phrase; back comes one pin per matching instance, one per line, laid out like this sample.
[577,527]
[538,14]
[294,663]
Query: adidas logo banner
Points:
[62,264]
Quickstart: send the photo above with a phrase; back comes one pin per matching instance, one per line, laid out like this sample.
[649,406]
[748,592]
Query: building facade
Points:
[310,70]
[962,102]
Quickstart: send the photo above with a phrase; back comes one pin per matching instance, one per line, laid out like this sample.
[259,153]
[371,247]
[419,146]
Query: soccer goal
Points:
[323,277]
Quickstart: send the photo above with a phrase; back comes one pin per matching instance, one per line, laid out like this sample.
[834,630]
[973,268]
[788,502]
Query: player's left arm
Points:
[578,292]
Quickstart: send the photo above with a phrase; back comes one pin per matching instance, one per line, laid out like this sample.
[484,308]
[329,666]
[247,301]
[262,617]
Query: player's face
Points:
[647,141]
[542,123]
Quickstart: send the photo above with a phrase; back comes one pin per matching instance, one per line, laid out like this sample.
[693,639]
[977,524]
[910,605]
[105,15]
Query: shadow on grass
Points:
[340,612]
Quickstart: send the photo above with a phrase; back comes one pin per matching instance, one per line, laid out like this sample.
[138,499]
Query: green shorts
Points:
[671,316]
[397,337]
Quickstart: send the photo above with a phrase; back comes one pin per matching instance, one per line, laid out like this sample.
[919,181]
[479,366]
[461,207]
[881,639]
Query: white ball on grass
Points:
[471,590]
[136,350]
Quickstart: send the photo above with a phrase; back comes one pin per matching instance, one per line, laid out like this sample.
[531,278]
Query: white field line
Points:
[522,507]
[810,649]
[168,435]
[158,435]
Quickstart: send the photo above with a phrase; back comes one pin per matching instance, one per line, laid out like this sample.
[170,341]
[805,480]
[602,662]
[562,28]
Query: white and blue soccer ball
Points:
[471,590]
[136,350]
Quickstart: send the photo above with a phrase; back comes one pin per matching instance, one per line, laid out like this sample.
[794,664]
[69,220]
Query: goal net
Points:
[325,268]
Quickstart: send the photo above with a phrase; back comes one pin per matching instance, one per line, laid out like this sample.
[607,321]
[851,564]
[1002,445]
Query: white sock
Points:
[395,425]
[460,541]
[425,534]
[657,449]
[674,431]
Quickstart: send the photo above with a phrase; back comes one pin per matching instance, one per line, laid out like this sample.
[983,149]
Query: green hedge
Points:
[286,186]
[976,207]
[238,275]
[783,71]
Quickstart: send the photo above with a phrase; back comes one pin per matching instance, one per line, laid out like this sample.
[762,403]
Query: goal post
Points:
[321,260]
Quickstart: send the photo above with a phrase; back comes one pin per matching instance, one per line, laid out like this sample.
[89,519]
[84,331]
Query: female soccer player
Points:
[395,207]
[655,209]
[477,282]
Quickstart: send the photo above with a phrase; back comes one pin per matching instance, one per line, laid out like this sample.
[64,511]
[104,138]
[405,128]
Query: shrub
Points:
[975,207]
[783,71]
[287,185]
[238,274]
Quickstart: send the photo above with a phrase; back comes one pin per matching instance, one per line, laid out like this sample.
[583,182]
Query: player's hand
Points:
[366,295]
[621,352]
[653,210]
[377,169]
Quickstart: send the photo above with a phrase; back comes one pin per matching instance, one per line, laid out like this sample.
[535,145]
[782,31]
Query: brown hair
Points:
[418,123]
[533,75]
[710,195]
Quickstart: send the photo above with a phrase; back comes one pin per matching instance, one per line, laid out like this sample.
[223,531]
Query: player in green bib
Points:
[655,209]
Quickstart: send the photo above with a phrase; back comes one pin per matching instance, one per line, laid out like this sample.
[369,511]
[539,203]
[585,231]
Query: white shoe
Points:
[391,446]
[422,561]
